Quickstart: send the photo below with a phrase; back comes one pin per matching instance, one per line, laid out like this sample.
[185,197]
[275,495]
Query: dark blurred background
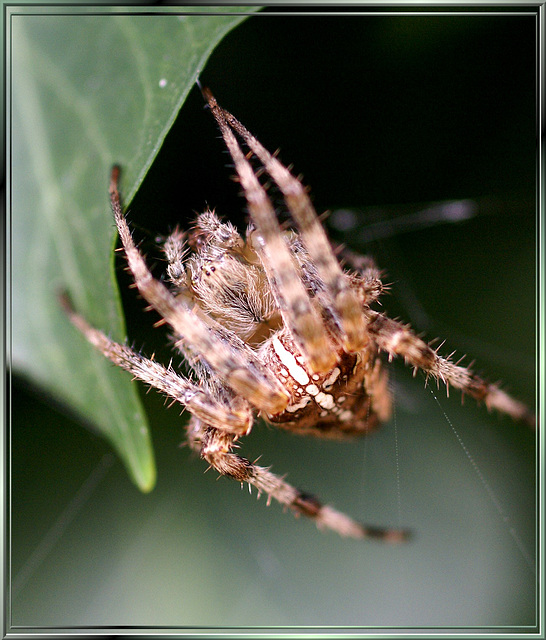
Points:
[383,115]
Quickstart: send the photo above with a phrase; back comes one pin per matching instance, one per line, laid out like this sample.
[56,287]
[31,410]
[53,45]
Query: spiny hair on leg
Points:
[216,448]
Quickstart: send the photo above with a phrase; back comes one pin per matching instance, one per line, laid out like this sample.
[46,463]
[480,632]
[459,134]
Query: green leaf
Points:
[87,91]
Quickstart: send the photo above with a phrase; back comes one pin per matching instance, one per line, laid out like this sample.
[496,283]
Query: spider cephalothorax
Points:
[272,325]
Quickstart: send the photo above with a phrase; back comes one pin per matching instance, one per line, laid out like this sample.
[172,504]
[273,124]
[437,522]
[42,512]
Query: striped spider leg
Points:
[397,339]
[234,416]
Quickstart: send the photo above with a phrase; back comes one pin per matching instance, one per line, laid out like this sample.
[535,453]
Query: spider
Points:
[272,325]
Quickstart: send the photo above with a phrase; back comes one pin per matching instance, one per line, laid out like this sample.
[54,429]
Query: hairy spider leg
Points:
[216,446]
[397,339]
[338,294]
[301,316]
[237,365]
[368,282]
[175,250]
[236,418]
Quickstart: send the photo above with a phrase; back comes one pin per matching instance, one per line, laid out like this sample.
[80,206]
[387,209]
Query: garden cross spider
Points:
[272,325]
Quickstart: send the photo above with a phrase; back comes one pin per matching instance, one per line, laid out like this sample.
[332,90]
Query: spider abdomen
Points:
[332,404]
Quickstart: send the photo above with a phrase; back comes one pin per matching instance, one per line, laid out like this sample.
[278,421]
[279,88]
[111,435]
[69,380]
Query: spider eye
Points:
[207,270]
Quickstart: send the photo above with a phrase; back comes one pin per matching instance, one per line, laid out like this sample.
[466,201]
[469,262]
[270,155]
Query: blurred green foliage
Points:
[88,90]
